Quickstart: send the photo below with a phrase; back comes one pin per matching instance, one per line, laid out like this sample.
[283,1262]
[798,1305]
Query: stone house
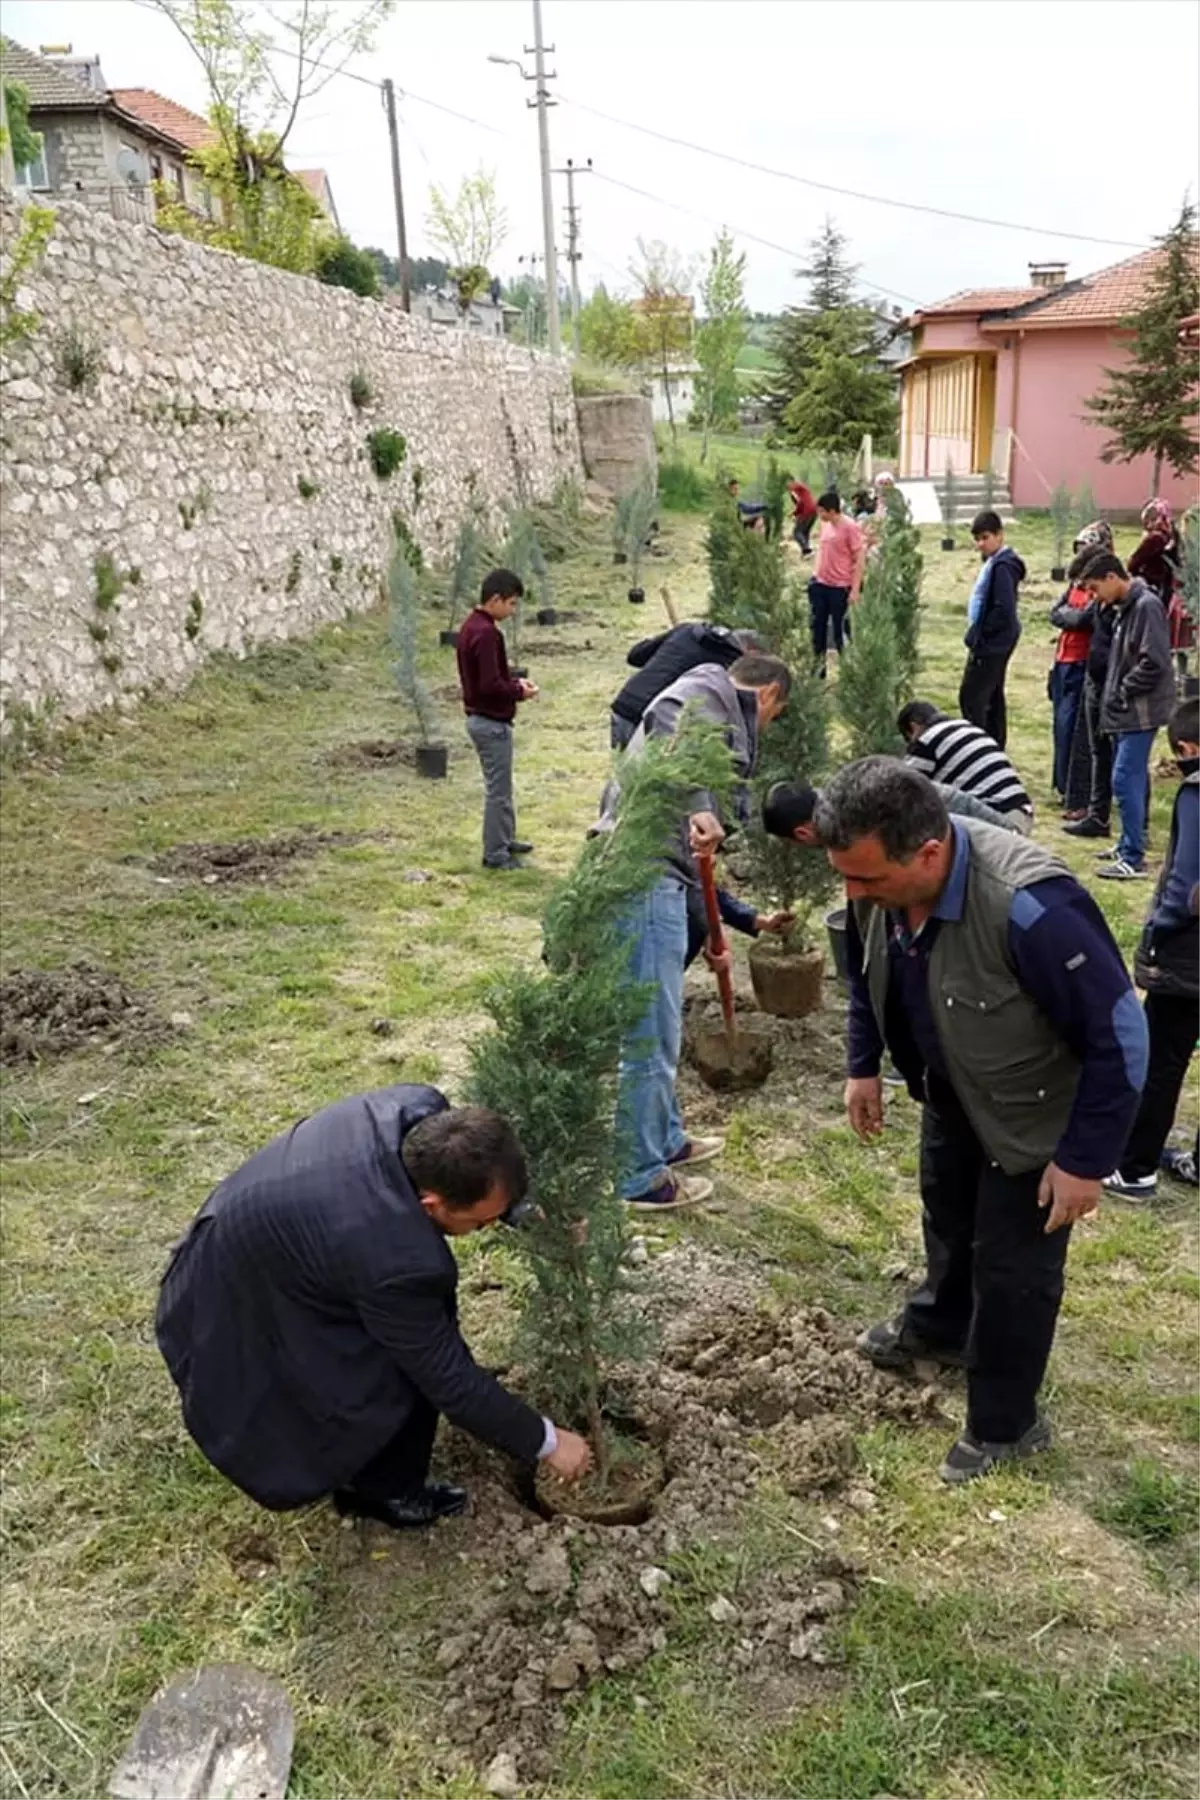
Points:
[104,147]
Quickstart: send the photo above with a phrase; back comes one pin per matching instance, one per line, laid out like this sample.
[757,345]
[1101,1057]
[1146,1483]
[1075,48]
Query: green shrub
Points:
[78,358]
[361,391]
[342,264]
[308,488]
[387,450]
[681,486]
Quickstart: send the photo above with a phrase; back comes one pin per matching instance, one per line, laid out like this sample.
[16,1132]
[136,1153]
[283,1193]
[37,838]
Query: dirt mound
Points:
[248,859]
[538,647]
[372,753]
[48,1012]
[738,1395]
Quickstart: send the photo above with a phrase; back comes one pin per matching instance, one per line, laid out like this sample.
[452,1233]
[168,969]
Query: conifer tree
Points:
[868,684]
[1149,407]
[1062,509]
[403,606]
[900,568]
[1085,507]
[549,1064]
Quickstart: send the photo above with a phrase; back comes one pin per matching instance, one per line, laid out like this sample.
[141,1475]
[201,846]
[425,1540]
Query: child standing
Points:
[993,628]
[490,699]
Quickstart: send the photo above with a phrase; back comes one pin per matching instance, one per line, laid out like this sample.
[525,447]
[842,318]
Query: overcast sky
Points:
[1075,115]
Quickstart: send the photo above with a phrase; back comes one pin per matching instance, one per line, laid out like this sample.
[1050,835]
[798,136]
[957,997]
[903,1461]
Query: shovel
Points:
[717,945]
[224,1732]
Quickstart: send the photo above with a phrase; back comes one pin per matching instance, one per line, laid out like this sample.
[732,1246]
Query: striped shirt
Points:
[960,755]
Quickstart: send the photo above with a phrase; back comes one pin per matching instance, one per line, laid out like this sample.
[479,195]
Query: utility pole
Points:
[573,252]
[543,102]
[389,101]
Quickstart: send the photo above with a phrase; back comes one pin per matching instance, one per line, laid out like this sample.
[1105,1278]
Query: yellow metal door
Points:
[985,412]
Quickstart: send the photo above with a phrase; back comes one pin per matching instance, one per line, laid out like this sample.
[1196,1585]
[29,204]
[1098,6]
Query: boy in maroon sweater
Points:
[490,698]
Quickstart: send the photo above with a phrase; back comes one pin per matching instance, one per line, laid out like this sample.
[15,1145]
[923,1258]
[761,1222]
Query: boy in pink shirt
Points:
[837,578]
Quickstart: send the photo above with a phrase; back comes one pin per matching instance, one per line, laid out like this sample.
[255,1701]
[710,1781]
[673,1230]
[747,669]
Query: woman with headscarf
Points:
[1158,558]
[1087,797]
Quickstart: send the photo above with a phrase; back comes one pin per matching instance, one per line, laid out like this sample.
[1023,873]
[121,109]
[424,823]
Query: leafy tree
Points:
[844,393]
[868,684]
[342,264]
[23,141]
[720,338]
[403,626]
[611,331]
[1149,408]
[270,217]
[549,1064]
[528,295]
[470,227]
[774,492]
[24,253]
[664,282]
[423,271]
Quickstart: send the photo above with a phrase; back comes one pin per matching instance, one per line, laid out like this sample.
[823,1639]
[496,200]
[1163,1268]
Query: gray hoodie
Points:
[1139,689]
[735,709]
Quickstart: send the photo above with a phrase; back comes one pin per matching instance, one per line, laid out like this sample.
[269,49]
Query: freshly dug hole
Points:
[730,1068]
[625,1496]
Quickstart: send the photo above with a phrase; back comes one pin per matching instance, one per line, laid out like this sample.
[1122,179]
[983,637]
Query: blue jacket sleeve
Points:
[864,1041]
[1174,909]
[736,913]
[1067,962]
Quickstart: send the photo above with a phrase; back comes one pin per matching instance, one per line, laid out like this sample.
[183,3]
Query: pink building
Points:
[998,377]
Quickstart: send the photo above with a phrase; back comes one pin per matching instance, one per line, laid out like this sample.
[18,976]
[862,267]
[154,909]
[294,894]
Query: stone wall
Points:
[209,484]
[617,437]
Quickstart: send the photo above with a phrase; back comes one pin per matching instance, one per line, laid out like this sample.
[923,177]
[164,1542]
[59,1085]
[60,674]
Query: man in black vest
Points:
[991,977]
[661,660]
[309,1320]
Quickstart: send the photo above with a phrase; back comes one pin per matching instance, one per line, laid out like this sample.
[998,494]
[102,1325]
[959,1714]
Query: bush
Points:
[681,486]
[868,684]
[387,450]
[898,565]
[342,264]
[361,391]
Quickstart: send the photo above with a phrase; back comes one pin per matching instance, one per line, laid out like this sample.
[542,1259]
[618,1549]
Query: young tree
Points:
[868,684]
[897,567]
[720,337]
[632,519]
[1062,508]
[610,331]
[342,264]
[1085,507]
[664,283]
[470,228]
[23,141]
[255,101]
[1149,408]
[404,609]
[549,1064]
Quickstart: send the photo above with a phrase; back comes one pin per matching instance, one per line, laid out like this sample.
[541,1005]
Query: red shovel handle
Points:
[716,935]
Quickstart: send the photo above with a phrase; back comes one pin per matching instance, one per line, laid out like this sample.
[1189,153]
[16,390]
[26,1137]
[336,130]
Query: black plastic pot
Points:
[637,596]
[546,615]
[431,761]
[520,674]
[1058,572]
[619,556]
[947,543]
[449,639]
[835,926]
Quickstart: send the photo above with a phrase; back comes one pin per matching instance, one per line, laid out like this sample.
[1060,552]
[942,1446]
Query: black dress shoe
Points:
[520,849]
[406,1512]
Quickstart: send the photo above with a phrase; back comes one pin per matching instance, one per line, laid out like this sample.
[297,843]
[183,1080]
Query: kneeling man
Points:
[309,1319]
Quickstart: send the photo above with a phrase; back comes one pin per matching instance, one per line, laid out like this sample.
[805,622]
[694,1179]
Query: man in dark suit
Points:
[309,1319]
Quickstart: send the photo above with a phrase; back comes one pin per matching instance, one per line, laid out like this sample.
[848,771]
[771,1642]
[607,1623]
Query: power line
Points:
[827,187]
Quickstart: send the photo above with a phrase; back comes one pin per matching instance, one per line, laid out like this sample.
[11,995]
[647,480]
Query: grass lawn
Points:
[1032,1636]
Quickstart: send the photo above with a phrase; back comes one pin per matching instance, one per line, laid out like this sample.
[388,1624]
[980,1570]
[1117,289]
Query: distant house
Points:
[317,183]
[489,315]
[105,147]
[997,379]
[681,378]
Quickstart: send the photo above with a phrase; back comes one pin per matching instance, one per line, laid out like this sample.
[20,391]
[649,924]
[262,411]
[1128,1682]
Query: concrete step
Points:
[969,497]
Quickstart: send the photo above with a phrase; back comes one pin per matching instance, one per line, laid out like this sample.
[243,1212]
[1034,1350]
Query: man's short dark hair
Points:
[831,501]
[918,712]
[758,670]
[882,797]
[462,1154]
[1103,564]
[502,584]
[787,804]
[986,521]
[1081,561]
[1183,727]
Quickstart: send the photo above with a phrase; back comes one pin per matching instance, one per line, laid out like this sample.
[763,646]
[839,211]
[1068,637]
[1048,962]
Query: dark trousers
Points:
[1079,764]
[981,696]
[402,1466]
[827,612]
[1172,1023]
[1100,798]
[1066,695]
[619,731]
[802,532]
[994,1279]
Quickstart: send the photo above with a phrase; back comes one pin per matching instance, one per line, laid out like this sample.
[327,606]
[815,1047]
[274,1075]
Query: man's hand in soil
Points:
[777,923]
[571,1457]
[1069,1197]
[706,833]
[529,690]
[864,1105]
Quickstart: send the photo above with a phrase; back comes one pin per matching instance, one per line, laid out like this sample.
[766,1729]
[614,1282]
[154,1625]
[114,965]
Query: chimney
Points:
[1047,274]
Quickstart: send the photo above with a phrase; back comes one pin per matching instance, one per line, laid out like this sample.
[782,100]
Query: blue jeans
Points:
[1066,692]
[649,1128]
[1130,776]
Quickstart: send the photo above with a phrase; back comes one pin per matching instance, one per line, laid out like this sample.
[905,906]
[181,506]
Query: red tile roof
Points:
[165,116]
[977,300]
[1100,299]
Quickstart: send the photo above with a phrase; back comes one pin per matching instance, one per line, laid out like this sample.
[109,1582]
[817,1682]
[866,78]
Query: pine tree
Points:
[868,684]
[844,393]
[746,573]
[830,278]
[549,1064]
[1062,509]
[900,568]
[1150,406]
[1085,507]
[403,605]
[465,571]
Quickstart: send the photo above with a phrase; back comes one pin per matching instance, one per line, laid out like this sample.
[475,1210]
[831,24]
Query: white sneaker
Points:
[1136,1188]
[698,1150]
